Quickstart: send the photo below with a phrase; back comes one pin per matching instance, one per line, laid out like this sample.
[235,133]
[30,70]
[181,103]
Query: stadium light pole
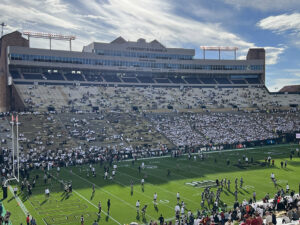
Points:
[3,25]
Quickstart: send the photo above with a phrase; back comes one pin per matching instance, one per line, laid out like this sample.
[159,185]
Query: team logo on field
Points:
[202,184]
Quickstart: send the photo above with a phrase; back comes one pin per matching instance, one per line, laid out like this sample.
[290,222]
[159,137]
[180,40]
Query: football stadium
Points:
[134,132]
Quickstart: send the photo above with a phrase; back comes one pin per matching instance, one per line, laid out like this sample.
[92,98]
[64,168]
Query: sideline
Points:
[20,203]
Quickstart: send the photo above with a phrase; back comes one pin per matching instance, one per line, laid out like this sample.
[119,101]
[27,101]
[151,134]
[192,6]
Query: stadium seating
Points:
[253,80]
[238,81]
[74,77]
[145,79]
[176,80]
[130,80]
[93,77]
[162,80]
[15,74]
[192,80]
[111,78]
[53,76]
[33,76]
[208,80]
[222,80]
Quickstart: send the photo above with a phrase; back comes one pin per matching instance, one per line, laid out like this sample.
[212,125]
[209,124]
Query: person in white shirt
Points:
[143,165]
[155,198]
[142,183]
[178,197]
[287,188]
[15,191]
[268,218]
[137,204]
[182,212]
[272,176]
[105,175]
[47,192]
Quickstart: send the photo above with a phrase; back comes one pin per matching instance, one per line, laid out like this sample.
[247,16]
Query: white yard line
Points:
[107,192]
[96,207]
[20,203]
[88,201]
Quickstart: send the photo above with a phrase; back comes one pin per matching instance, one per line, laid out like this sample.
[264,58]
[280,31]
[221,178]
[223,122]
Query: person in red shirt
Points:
[28,220]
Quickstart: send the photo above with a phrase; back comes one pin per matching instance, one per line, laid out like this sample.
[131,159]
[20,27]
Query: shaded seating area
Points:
[74,77]
[222,80]
[253,80]
[208,80]
[93,77]
[192,80]
[112,78]
[145,79]
[176,80]
[238,81]
[53,76]
[130,80]
[15,74]
[162,80]
[33,76]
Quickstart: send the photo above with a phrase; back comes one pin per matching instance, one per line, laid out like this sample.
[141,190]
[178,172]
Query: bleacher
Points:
[130,80]
[145,79]
[192,80]
[112,78]
[33,76]
[53,76]
[238,81]
[176,80]
[222,80]
[162,80]
[15,74]
[74,77]
[253,80]
[93,77]
[208,80]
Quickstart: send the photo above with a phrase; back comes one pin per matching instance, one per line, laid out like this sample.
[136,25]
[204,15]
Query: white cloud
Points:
[272,54]
[265,5]
[281,23]
[132,19]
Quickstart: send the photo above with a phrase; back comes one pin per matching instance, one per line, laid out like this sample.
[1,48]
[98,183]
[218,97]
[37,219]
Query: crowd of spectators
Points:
[149,98]
[203,129]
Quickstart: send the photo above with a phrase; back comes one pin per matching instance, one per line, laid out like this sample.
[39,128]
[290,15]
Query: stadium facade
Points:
[120,63]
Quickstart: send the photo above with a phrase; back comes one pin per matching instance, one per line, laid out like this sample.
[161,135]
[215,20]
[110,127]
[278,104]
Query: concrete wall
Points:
[12,39]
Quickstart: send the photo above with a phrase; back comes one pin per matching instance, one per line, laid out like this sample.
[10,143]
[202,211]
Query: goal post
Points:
[15,150]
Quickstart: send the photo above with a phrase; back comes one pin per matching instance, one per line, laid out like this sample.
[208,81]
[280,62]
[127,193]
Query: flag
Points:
[12,118]
[17,118]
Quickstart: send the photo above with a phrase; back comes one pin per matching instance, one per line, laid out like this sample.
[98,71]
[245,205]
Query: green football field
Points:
[62,209]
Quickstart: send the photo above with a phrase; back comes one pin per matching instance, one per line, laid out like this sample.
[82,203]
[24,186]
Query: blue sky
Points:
[272,24]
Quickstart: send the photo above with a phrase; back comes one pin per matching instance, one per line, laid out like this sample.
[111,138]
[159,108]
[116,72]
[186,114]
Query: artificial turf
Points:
[61,209]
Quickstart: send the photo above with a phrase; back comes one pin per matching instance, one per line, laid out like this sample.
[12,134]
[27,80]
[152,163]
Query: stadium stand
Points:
[222,80]
[53,76]
[74,77]
[93,77]
[192,80]
[15,74]
[130,80]
[33,76]
[111,78]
